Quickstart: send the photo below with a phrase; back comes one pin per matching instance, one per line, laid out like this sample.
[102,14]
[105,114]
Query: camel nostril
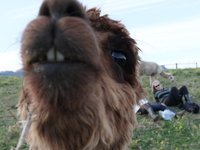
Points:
[74,9]
[44,10]
[56,10]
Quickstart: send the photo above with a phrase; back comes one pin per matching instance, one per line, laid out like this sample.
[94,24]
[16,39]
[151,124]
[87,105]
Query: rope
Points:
[26,126]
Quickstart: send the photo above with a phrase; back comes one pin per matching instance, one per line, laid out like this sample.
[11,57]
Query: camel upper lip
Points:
[55,56]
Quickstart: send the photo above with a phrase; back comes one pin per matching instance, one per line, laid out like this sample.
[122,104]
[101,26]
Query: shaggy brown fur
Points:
[79,95]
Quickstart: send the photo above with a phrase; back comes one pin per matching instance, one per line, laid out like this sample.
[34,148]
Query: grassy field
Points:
[178,134]
[9,128]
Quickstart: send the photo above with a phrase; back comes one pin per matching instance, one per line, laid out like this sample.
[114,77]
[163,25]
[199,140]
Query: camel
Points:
[152,69]
[80,82]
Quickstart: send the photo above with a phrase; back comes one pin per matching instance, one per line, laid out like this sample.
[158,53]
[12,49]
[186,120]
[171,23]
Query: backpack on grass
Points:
[192,108]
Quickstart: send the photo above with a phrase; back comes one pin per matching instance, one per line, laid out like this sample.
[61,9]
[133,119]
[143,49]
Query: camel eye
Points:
[119,57]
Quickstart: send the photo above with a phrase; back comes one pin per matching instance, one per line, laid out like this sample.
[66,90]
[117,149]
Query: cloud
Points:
[175,42]
[182,35]
[20,12]
[157,36]
[10,60]
[118,6]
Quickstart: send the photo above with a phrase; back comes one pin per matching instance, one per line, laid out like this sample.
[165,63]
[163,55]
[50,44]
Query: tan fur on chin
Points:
[105,131]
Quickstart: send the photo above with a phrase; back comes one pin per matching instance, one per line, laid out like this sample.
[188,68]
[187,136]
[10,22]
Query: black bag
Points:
[142,111]
[192,108]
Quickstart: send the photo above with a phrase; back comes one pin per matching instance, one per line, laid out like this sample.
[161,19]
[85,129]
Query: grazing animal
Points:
[80,79]
[152,69]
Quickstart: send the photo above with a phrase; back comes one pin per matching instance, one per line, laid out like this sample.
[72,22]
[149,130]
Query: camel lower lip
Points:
[56,66]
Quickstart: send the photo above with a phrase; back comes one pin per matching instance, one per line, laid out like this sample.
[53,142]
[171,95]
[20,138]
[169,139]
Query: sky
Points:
[166,31]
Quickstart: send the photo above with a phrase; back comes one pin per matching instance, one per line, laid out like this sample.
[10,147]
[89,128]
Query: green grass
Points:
[9,129]
[178,134]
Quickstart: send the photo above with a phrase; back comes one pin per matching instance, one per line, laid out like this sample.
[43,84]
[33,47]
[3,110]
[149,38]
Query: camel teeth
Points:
[55,55]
